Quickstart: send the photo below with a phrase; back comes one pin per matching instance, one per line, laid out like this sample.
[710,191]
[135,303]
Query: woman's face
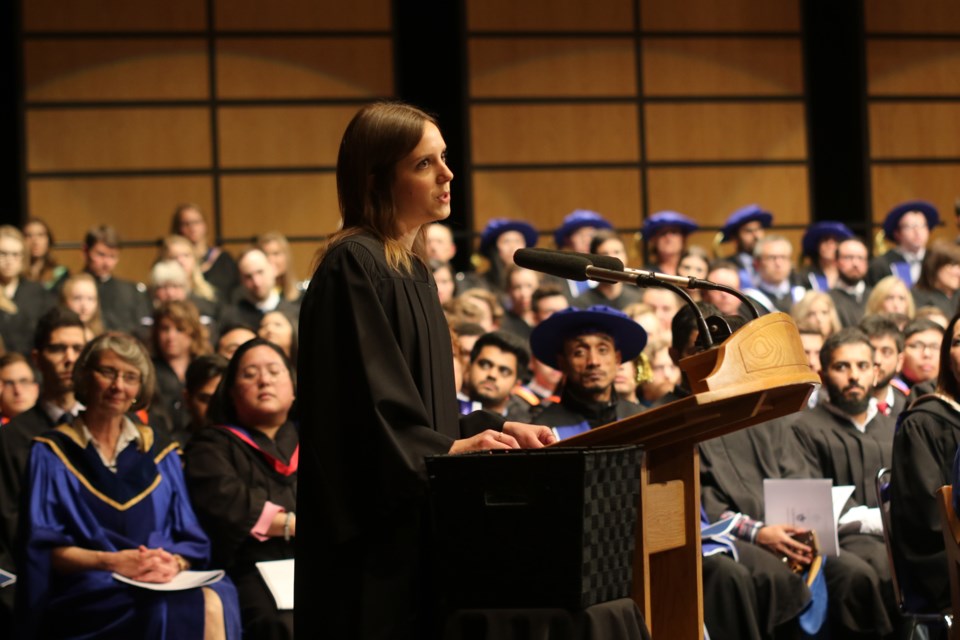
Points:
[172,341]
[693,267]
[523,283]
[613,248]
[275,328]
[184,255]
[507,244]
[921,356]
[276,256]
[82,300]
[828,250]
[192,226]
[11,258]
[948,277]
[421,184]
[896,300]
[445,284]
[819,316]
[263,391]
[625,382]
[669,241]
[115,384]
[170,292]
[36,238]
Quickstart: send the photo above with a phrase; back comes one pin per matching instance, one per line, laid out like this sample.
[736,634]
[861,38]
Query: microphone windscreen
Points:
[570,266]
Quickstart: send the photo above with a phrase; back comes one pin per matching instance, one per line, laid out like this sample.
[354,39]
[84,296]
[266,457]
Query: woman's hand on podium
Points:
[485,441]
[530,436]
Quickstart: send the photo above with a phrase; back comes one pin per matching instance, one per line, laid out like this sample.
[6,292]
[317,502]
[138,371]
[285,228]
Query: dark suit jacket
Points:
[122,304]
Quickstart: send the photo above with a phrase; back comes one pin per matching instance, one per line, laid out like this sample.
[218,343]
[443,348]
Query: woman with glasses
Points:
[242,476]
[106,496]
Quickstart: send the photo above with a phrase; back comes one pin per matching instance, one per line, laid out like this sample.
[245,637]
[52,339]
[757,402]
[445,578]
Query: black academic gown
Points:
[571,410]
[229,481]
[848,307]
[936,298]
[835,449]
[923,451]
[628,295]
[122,304]
[376,396]
[882,266]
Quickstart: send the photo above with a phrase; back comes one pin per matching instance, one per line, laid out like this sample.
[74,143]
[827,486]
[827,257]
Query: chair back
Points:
[951,540]
[883,500]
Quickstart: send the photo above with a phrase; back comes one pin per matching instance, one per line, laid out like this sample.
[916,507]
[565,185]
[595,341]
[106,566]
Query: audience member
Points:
[443,277]
[628,378]
[726,273]
[664,304]
[665,233]
[664,373]
[258,292]
[887,341]
[481,306]
[23,299]
[618,295]
[41,266]
[520,285]
[203,376]
[242,476]
[890,295]
[587,346]
[923,452]
[845,438]
[921,349]
[177,338]
[850,291]
[232,337]
[280,329]
[79,294]
[934,314]
[496,363]
[694,263]
[908,226]
[18,386]
[122,303]
[816,310]
[576,233]
[106,496]
[277,249]
[499,240]
[774,287]
[547,300]
[819,246]
[939,281]
[746,226]
[812,340]
[216,265]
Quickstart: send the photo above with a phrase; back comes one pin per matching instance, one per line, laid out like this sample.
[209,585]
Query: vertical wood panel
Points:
[925,67]
[297,205]
[915,130]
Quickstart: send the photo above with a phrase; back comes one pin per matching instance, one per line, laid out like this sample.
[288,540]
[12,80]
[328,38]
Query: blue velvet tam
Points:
[548,337]
[577,220]
[742,216]
[666,219]
[892,221]
[498,226]
[820,231]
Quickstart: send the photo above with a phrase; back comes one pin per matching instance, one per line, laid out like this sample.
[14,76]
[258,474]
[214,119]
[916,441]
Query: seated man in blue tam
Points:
[587,346]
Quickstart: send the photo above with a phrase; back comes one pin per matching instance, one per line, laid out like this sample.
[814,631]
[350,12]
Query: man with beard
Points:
[495,360]
[887,344]
[851,291]
[847,439]
[587,346]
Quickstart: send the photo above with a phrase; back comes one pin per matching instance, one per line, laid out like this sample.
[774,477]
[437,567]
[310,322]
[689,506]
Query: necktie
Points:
[884,408]
[66,418]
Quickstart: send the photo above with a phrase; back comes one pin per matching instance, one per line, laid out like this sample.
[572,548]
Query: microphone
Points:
[568,265]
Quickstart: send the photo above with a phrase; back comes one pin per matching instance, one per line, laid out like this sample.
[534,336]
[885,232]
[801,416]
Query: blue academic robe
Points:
[74,500]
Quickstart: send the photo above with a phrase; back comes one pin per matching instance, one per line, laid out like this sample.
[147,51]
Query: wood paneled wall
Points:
[913,99]
[629,107]
[131,108]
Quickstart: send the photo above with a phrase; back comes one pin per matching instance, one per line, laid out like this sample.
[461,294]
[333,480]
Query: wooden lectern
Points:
[757,374]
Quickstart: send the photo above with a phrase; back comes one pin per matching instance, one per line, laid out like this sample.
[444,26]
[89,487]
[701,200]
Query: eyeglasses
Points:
[111,374]
[852,258]
[9,255]
[923,346]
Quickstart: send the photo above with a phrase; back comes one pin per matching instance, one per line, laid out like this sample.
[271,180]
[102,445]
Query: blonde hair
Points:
[801,310]
[96,322]
[186,318]
[287,281]
[880,292]
[9,231]
[198,284]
